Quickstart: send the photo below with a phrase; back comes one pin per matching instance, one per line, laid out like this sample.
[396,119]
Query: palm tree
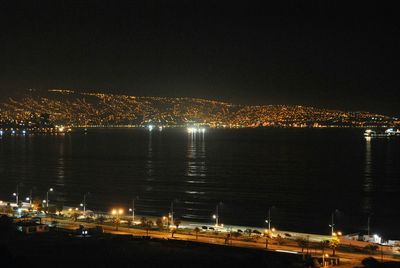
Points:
[160,223]
[197,230]
[100,219]
[148,225]
[177,222]
[333,244]
[143,221]
[302,243]
[323,245]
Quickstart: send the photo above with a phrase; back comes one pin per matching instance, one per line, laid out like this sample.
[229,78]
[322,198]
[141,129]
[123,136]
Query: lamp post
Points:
[16,194]
[368,225]
[216,216]
[47,198]
[332,223]
[268,221]
[133,211]
[323,259]
[29,198]
[172,212]
[84,203]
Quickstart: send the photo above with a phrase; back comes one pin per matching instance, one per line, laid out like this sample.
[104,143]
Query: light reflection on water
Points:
[368,178]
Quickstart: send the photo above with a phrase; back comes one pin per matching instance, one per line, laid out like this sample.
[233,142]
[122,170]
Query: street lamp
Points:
[47,198]
[172,212]
[29,198]
[133,211]
[323,259]
[332,225]
[84,203]
[268,221]
[216,215]
[16,194]
[368,225]
[16,197]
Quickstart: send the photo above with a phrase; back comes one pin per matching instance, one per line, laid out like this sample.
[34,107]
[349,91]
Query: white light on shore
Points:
[194,130]
[150,127]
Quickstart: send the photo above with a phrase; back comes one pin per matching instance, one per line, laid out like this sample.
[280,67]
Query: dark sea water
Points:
[304,174]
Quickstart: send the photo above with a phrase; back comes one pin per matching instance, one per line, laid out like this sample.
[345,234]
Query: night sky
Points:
[239,53]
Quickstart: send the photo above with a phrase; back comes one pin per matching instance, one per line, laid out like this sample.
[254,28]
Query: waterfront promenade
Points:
[351,252]
[186,233]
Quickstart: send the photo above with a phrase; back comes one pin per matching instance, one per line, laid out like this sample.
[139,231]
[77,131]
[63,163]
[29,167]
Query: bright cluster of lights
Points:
[194,130]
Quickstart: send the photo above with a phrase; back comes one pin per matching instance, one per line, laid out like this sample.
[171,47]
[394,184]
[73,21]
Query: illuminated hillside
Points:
[69,107]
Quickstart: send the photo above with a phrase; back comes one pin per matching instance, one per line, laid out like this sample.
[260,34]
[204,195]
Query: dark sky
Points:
[240,53]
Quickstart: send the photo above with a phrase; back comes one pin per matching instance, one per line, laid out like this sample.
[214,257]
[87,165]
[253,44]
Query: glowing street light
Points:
[323,259]
[171,214]
[47,197]
[268,221]
[332,225]
[16,197]
[216,215]
[132,209]
[83,204]
[16,194]
[29,198]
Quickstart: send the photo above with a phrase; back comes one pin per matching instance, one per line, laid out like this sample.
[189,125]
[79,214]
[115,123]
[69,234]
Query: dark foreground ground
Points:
[63,250]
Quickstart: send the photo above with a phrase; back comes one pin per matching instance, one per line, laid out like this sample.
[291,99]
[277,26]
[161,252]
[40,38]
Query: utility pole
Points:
[172,212]
[84,204]
[30,197]
[216,215]
[368,225]
[332,223]
[47,198]
[16,194]
[133,210]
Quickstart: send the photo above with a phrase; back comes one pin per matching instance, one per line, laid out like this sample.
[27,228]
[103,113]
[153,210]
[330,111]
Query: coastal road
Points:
[288,246]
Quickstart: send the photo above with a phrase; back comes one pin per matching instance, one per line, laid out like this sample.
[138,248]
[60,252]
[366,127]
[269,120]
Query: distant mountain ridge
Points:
[74,108]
